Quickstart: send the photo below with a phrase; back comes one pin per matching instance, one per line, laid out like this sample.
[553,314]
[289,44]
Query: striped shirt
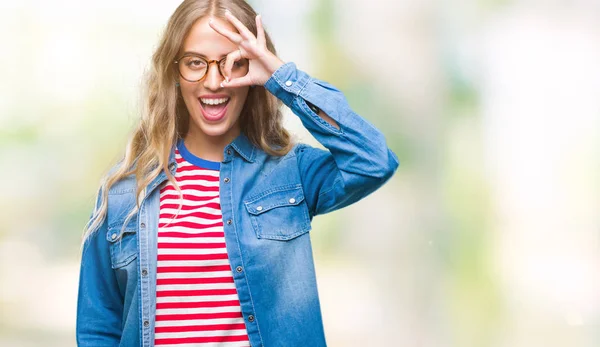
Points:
[196,300]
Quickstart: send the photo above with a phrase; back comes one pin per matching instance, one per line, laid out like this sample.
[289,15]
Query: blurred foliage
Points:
[333,65]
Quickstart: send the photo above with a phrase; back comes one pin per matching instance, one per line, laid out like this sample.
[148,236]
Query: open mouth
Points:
[214,109]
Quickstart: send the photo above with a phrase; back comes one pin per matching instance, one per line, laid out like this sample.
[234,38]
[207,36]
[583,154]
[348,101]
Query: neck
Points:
[207,147]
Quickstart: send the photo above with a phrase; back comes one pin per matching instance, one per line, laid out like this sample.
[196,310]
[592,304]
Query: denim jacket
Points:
[267,203]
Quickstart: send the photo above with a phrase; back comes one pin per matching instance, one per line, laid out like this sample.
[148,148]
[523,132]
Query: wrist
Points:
[272,64]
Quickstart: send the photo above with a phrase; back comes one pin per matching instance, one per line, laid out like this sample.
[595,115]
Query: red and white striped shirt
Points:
[196,300]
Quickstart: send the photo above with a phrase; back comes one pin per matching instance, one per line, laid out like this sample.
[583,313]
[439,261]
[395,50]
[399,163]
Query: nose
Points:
[213,77]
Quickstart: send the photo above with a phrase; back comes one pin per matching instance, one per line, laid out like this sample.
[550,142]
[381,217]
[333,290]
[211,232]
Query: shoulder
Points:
[300,155]
[303,161]
[306,155]
[121,195]
[298,151]
[124,185]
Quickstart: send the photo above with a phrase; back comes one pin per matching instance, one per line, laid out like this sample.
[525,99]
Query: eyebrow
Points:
[201,55]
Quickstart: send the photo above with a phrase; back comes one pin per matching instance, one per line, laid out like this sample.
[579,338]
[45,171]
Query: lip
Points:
[217,117]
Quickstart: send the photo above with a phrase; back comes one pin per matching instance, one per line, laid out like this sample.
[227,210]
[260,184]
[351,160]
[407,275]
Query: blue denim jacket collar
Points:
[241,144]
[244,147]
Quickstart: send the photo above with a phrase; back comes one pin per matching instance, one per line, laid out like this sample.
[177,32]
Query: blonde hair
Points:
[165,118]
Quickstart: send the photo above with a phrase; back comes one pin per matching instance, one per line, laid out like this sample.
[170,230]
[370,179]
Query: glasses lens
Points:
[192,68]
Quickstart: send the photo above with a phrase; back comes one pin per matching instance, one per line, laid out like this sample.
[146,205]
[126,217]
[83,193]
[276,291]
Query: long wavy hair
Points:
[165,117]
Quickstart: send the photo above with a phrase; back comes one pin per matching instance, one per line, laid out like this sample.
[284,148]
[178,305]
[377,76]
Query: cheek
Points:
[241,98]
[188,96]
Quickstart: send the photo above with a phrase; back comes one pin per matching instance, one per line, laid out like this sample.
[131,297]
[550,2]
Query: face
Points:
[209,117]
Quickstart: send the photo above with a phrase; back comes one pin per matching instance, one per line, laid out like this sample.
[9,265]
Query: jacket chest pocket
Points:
[123,243]
[279,213]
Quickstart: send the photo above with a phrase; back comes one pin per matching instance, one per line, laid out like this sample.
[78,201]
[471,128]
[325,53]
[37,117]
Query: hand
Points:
[263,63]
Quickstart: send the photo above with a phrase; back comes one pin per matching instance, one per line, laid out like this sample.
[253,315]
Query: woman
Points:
[200,234]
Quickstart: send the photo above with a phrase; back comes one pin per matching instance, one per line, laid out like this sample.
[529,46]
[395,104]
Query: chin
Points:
[212,131]
[221,128]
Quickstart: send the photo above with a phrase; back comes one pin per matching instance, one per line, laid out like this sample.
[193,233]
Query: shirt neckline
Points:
[189,157]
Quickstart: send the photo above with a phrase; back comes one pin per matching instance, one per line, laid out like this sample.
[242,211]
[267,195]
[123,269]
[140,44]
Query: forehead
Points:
[205,40]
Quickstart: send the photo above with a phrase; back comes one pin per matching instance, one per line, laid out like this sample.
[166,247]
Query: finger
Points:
[260,32]
[230,35]
[231,59]
[247,34]
[238,82]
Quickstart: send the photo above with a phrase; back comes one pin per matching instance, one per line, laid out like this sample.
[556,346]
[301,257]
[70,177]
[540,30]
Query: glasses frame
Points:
[208,63]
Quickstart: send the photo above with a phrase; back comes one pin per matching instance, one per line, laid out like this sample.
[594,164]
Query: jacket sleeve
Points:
[358,160]
[99,302]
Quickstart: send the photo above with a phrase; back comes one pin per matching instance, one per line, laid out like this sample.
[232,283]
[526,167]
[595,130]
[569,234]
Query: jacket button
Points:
[143,225]
[229,152]
[229,222]
[146,323]
[144,272]
[292,200]
[251,318]
[259,208]
[226,180]
[238,269]
[113,236]
[288,83]
[171,166]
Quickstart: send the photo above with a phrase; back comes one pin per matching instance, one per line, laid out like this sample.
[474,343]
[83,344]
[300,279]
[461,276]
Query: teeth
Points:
[214,101]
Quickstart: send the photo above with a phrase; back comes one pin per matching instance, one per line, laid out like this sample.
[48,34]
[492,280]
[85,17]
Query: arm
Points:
[99,302]
[358,161]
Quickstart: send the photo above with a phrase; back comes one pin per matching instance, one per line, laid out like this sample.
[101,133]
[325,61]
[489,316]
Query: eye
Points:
[240,63]
[195,63]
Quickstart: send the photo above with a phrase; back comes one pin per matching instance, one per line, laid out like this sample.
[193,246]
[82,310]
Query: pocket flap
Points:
[282,196]
[116,230]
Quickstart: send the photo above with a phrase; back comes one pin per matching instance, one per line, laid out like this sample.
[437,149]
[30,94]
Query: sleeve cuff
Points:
[287,82]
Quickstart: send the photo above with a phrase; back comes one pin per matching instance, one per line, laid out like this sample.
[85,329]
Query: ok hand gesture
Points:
[263,63]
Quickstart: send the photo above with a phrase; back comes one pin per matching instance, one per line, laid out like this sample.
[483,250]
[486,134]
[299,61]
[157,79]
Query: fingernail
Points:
[222,86]
[227,79]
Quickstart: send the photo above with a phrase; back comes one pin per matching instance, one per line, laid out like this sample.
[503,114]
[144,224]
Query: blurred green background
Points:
[488,235]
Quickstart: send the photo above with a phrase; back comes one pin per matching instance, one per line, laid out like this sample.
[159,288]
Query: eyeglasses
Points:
[194,68]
